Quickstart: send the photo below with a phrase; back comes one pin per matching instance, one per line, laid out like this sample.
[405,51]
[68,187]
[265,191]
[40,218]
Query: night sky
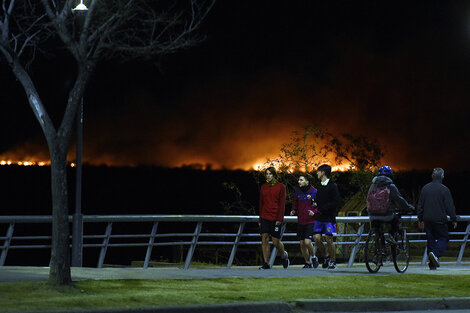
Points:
[398,72]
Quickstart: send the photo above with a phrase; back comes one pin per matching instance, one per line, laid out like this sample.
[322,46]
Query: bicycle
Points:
[378,249]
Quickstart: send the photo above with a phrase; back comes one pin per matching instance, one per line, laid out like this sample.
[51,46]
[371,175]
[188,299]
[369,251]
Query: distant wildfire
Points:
[231,124]
[18,158]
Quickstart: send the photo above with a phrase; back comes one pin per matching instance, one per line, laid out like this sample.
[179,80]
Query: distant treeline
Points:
[154,190]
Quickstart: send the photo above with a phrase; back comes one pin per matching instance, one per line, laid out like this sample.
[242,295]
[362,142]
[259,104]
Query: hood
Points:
[381,181]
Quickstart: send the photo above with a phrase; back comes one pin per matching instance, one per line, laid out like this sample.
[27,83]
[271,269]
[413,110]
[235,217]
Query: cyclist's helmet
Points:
[385,170]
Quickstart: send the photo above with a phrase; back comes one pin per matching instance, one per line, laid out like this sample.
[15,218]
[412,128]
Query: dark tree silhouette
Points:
[313,146]
[125,29]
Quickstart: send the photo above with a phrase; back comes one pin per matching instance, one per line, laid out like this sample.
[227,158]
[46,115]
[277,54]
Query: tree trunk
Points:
[60,252]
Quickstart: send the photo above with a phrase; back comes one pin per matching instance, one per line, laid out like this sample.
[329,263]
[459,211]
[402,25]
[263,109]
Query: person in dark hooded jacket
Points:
[396,203]
[435,203]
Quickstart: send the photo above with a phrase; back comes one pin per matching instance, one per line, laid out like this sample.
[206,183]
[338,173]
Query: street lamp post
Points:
[77,231]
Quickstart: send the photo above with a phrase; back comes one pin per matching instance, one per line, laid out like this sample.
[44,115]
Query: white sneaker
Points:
[433,259]
[285,260]
[314,261]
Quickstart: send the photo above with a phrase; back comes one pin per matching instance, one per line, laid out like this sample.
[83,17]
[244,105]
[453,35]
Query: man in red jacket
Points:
[272,203]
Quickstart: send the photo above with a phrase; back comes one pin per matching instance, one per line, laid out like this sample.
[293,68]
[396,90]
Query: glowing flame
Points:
[25,163]
[260,166]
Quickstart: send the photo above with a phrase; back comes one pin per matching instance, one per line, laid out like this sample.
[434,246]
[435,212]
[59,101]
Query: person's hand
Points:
[278,223]
[310,212]
[454,224]
[292,213]
[421,225]
[314,204]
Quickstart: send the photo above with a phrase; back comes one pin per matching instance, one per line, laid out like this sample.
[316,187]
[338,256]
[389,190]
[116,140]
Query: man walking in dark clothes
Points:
[327,202]
[435,203]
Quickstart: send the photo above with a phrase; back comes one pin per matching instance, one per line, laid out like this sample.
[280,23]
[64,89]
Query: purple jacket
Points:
[302,204]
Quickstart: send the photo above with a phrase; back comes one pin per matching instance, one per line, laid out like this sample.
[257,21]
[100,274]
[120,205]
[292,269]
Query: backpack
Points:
[378,200]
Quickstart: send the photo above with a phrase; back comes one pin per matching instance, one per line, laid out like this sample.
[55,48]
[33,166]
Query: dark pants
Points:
[437,235]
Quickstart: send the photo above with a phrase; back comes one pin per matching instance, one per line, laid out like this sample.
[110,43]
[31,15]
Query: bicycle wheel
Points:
[401,252]
[373,251]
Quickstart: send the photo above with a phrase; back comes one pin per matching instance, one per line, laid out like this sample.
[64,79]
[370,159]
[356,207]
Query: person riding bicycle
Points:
[383,200]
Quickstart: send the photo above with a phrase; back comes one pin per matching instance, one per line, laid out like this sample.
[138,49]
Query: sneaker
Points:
[326,262]
[332,265]
[433,259]
[432,267]
[314,261]
[265,266]
[285,260]
[307,265]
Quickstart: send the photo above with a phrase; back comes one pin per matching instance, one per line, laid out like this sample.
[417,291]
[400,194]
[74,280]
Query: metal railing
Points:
[197,237]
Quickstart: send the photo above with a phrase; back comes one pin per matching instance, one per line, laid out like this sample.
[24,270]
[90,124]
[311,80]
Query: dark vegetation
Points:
[153,190]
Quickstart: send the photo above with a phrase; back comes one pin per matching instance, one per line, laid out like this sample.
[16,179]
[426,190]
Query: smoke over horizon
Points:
[236,124]
[231,121]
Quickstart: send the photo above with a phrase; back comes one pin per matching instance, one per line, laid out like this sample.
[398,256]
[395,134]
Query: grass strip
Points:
[100,294]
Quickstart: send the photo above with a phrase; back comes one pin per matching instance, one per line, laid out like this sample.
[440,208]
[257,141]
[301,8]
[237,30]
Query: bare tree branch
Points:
[109,28]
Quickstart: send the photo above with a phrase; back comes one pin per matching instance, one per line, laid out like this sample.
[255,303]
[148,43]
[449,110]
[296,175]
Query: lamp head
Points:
[80,7]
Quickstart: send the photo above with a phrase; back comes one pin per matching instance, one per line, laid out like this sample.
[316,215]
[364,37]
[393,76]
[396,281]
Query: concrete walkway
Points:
[23,273]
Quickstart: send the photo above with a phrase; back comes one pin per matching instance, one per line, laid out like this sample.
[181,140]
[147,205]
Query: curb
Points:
[305,305]
[258,307]
[381,304]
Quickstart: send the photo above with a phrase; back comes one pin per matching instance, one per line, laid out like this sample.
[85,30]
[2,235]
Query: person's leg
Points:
[265,247]
[279,245]
[317,230]
[441,233]
[394,227]
[431,240]
[331,247]
[309,248]
[304,251]
[320,246]
[282,252]
[431,236]
[301,237]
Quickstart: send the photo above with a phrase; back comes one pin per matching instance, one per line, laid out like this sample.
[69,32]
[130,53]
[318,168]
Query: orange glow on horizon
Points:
[258,166]
[25,163]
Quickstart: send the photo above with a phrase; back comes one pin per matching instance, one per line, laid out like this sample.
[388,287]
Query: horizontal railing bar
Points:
[203,235]
[29,247]
[187,218]
[30,237]
[217,235]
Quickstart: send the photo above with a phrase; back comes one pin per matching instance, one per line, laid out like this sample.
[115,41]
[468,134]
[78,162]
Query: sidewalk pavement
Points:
[25,273]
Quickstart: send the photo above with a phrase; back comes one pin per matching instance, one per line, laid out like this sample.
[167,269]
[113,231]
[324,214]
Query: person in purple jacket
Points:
[304,197]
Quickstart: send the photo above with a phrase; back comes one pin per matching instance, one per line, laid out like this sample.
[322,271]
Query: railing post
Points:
[6,244]
[274,252]
[191,249]
[352,256]
[104,247]
[464,243]
[150,246]
[425,256]
[235,244]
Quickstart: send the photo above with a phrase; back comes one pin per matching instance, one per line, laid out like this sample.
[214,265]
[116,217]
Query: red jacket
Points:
[272,202]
